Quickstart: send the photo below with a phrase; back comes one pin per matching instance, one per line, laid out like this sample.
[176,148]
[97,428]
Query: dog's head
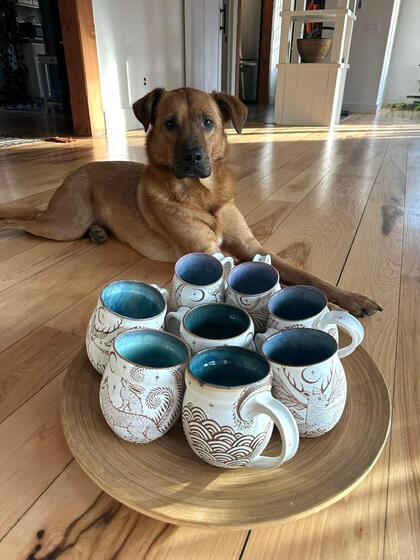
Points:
[188,128]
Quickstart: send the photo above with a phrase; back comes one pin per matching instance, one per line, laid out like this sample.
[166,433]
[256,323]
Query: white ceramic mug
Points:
[228,411]
[305,307]
[199,278]
[213,324]
[308,378]
[250,285]
[142,388]
[123,305]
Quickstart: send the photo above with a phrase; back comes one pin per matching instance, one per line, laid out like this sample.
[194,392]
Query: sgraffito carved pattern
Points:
[220,445]
[316,404]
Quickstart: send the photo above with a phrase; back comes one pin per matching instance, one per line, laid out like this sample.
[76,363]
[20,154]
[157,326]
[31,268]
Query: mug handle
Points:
[262,258]
[227,263]
[174,320]
[265,403]
[260,338]
[350,324]
[163,291]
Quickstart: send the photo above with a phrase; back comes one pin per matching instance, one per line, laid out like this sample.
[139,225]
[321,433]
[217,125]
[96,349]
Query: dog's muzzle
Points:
[192,163]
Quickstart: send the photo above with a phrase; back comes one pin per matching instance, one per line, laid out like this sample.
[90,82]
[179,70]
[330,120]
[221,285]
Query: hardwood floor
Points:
[344,205]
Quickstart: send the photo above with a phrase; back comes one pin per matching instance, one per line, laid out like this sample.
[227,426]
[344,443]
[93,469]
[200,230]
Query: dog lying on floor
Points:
[181,202]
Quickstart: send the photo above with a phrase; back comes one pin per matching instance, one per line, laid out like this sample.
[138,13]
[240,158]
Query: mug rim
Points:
[293,288]
[284,333]
[131,282]
[219,303]
[134,330]
[258,263]
[198,285]
[230,387]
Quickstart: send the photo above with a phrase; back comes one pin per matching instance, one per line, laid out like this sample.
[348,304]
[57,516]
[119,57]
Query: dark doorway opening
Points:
[34,89]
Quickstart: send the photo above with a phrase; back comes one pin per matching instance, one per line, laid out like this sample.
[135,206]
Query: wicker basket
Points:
[314,50]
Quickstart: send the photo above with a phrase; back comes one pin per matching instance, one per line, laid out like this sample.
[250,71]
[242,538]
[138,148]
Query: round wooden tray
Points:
[165,480]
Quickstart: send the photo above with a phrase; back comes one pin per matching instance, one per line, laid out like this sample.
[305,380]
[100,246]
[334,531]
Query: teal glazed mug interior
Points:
[142,388]
[123,305]
[228,412]
[214,324]
[303,307]
[308,377]
[199,278]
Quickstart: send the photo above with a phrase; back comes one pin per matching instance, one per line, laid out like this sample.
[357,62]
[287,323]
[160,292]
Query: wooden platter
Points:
[165,480]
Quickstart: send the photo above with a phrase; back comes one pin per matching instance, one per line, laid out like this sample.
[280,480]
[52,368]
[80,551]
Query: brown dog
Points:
[181,202]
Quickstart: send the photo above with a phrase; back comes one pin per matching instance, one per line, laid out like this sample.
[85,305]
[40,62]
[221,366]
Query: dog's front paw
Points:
[358,304]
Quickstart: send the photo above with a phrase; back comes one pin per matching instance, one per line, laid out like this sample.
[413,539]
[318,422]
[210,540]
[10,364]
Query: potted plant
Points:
[313,47]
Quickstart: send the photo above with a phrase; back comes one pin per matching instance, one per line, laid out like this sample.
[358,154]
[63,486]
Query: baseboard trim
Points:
[360,107]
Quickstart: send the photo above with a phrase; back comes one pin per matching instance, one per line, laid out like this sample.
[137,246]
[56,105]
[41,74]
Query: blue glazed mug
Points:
[123,305]
[228,412]
[250,285]
[308,377]
[142,388]
[214,324]
[199,278]
[305,307]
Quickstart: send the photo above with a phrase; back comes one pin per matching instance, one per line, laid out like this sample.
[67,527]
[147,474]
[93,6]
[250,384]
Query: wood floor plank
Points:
[34,453]
[93,525]
[402,539]
[31,363]
[36,259]
[75,318]
[317,235]
[354,527]
[59,287]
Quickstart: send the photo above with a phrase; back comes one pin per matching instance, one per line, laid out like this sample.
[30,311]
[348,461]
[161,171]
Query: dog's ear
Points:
[232,109]
[145,108]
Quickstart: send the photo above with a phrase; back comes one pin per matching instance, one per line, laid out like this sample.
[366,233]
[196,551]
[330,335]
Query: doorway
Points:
[258,42]
[34,89]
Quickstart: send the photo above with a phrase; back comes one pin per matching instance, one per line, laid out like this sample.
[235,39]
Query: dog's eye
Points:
[207,123]
[170,124]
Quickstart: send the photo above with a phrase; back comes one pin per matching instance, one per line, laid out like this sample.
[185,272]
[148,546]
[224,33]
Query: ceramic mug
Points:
[214,324]
[122,305]
[308,378]
[142,388]
[303,307]
[199,278]
[228,411]
[250,286]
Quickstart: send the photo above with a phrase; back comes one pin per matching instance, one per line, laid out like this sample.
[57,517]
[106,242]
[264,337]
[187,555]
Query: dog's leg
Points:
[68,216]
[239,240]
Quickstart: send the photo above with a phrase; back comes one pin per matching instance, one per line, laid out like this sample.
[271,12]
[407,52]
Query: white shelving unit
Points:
[312,94]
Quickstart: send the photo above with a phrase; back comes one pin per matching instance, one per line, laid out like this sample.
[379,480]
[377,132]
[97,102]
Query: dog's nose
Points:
[193,155]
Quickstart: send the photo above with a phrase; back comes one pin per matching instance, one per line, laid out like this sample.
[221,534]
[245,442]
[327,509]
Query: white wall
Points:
[137,39]
[275,48]
[403,70]
[370,36]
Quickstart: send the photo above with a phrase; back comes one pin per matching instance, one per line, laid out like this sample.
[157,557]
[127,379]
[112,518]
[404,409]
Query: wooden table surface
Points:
[343,205]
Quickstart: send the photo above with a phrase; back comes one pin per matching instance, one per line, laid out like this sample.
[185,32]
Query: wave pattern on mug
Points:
[220,445]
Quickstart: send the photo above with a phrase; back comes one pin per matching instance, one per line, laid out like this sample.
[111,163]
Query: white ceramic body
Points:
[229,427]
[324,320]
[255,304]
[176,324]
[315,394]
[104,325]
[185,294]
[140,404]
